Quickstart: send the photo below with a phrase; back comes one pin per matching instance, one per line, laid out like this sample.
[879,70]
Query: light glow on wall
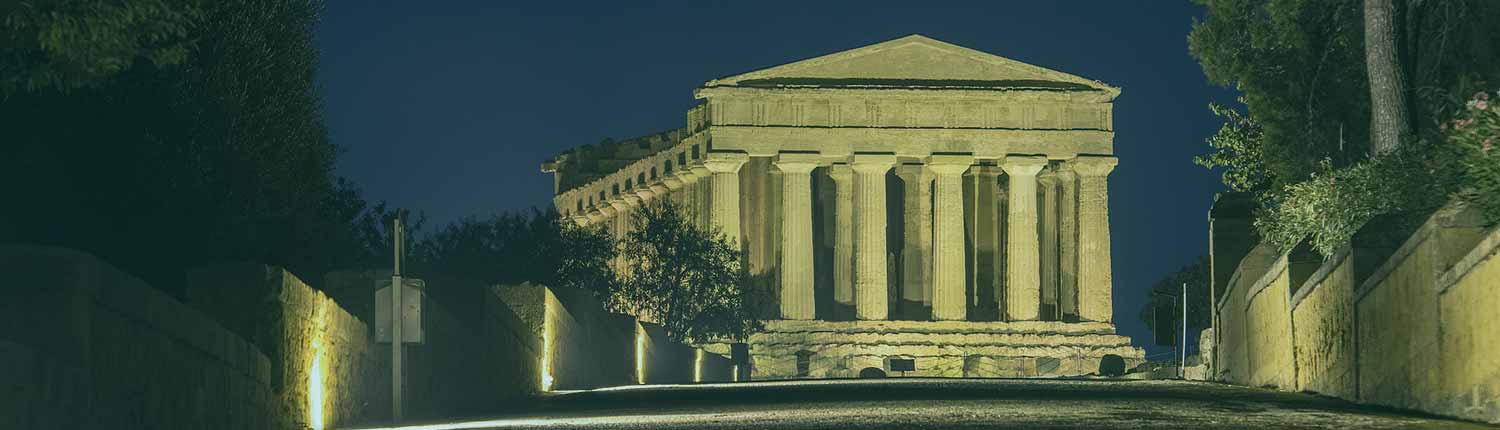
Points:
[546,366]
[736,370]
[315,386]
[698,365]
[640,353]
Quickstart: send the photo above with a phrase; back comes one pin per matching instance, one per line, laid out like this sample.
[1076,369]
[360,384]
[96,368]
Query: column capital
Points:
[873,163]
[840,172]
[910,172]
[1065,172]
[725,162]
[672,182]
[1093,165]
[1023,165]
[798,162]
[949,164]
[685,174]
[659,188]
[644,192]
[1047,177]
[626,200]
[606,210]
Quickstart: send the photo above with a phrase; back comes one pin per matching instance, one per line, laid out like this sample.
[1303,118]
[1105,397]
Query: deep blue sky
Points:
[467,98]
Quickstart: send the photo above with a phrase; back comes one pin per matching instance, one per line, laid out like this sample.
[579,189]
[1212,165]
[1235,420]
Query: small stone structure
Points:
[952,203]
[1409,326]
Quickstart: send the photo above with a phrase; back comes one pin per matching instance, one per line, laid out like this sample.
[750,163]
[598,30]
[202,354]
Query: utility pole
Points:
[396,321]
[1182,365]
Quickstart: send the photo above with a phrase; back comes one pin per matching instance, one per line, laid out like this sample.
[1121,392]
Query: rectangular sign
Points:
[903,365]
[411,306]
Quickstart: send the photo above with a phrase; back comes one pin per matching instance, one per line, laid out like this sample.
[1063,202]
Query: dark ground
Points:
[950,404]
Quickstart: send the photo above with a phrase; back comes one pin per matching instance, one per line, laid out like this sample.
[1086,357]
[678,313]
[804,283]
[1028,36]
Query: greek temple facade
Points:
[911,203]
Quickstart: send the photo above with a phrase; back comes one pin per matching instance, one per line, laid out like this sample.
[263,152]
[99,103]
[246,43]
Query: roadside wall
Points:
[88,346]
[1415,333]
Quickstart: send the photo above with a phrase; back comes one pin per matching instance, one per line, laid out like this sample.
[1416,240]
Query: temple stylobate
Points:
[911,202]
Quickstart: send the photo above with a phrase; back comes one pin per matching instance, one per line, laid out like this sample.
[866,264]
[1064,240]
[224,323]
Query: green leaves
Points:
[688,279]
[64,45]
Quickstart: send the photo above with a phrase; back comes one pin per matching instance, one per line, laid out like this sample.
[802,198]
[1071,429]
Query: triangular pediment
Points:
[914,61]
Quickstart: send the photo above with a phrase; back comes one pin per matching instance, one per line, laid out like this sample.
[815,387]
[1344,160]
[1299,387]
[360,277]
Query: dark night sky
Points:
[467,98]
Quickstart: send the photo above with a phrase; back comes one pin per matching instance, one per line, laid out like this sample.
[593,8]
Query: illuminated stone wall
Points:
[1323,314]
[477,356]
[88,346]
[1410,329]
[320,354]
[1269,349]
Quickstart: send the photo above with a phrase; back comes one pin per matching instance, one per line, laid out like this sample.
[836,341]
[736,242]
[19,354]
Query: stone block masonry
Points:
[1409,329]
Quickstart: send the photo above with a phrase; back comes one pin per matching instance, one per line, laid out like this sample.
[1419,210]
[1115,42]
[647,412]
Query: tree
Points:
[688,279]
[54,45]
[1166,296]
[157,163]
[1388,109]
[1239,148]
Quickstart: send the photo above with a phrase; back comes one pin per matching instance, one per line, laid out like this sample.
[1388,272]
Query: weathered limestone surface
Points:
[870,277]
[940,348]
[1322,315]
[978,247]
[1095,281]
[726,192]
[1067,233]
[797,301]
[843,236]
[1023,273]
[1407,329]
[916,252]
[948,300]
[1047,180]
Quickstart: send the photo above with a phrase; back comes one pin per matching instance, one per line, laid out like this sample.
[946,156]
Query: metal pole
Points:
[396,320]
[1182,366]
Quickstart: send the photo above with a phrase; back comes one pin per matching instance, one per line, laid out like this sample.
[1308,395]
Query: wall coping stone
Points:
[1487,248]
[1278,266]
[1316,280]
[1441,218]
[1259,250]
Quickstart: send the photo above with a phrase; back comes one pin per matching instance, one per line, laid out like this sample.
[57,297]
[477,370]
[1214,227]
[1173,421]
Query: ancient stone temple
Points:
[908,203]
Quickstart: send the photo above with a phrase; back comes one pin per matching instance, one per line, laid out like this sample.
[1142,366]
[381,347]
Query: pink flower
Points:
[1460,124]
[1481,95]
[1481,105]
[1488,143]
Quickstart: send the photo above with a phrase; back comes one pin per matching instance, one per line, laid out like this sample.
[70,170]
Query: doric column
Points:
[870,275]
[998,262]
[624,206]
[843,235]
[1023,278]
[986,180]
[797,301]
[673,185]
[701,194]
[687,192]
[726,192]
[1048,228]
[659,189]
[597,215]
[646,193]
[916,249]
[1067,236]
[1094,277]
[948,299]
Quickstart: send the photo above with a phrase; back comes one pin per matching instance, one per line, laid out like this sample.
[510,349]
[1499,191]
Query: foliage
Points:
[1165,296]
[62,45]
[1239,148]
[157,167]
[509,248]
[688,279]
[1328,208]
[1300,66]
[583,261]
[1474,133]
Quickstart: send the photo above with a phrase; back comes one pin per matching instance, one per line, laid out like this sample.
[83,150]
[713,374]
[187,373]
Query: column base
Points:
[841,349]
